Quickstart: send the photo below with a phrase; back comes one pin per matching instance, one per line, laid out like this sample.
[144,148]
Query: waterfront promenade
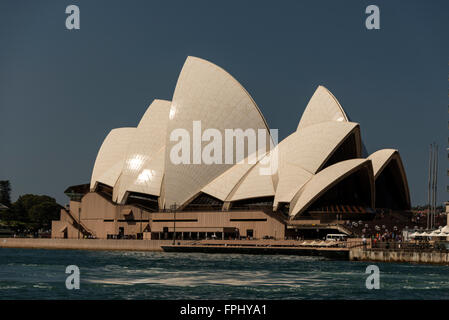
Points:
[84,244]
[352,250]
[156,245]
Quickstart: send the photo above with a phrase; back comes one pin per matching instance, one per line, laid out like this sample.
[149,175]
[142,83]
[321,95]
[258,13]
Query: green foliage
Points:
[32,212]
[5,192]
[43,213]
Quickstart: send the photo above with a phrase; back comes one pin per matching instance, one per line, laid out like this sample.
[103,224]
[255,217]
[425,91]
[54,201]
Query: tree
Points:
[5,192]
[43,213]
[32,212]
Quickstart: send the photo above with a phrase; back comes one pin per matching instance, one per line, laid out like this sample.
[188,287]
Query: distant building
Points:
[320,177]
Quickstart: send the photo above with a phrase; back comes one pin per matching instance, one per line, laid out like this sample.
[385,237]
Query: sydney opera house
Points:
[317,178]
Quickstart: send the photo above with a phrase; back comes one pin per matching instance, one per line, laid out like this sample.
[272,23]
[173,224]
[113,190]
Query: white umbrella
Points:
[445,229]
[438,233]
[423,234]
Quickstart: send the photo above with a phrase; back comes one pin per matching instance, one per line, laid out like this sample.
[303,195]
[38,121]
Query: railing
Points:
[422,246]
[343,229]
[357,244]
[79,225]
[206,207]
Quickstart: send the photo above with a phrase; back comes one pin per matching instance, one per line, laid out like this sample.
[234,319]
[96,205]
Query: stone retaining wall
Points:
[433,257]
[85,244]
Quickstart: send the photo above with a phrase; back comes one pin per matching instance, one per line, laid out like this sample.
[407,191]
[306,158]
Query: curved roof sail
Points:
[109,162]
[327,178]
[322,162]
[143,167]
[322,107]
[206,93]
[381,159]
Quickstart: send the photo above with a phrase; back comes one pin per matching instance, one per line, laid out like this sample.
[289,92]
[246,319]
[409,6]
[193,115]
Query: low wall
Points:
[112,244]
[433,257]
[86,244]
[330,253]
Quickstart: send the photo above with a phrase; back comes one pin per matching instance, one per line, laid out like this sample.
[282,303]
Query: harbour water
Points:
[40,274]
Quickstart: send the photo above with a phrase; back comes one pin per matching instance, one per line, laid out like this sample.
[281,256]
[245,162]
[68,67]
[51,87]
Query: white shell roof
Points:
[109,162]
[323,106]
[300,156]
[312,146]
[324,180]
[304,152]
[380,159]
[292,178]
[143,167]
[222,186]
[254,185]
[208,93]
[138,159]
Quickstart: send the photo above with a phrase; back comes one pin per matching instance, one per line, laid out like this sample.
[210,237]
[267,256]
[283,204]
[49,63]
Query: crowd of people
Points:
[389,225]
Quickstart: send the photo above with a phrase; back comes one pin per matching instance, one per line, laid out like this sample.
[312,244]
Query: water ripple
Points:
[40,274]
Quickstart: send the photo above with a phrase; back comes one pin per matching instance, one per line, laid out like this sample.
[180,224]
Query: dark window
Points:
[347,150]
[177,220]
[105,191]
[204,202]
[390,188]
[142,200]
[75,193]
[254,203]
[354,190]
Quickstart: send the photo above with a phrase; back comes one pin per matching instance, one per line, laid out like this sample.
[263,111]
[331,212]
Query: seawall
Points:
[85,244]
[241,246]
[286,247]
[415,256]
[330,253]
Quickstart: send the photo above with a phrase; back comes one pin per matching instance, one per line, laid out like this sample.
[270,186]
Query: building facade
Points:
[320,175]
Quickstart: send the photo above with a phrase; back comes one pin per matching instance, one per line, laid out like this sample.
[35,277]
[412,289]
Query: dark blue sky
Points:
[62,91]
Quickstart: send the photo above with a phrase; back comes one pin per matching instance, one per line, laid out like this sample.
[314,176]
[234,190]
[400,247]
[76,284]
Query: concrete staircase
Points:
[79,225]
